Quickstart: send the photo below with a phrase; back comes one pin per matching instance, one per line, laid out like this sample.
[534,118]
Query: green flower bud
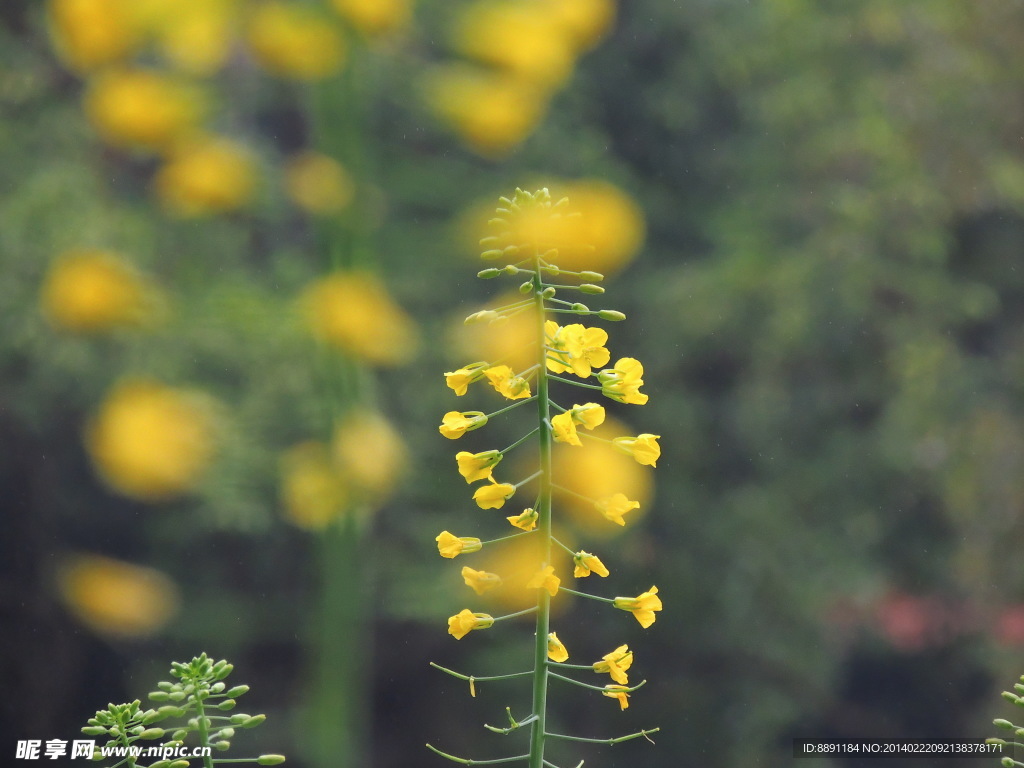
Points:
[591,288]
[179,764]
[159,696]
[160,764]
[253,721]
[269,759]
[152,733]
[238,718]
[238,690]
[217,687]
[226,705]
[1007,762]
[548,292]
[511,269]
[487,274]
[94,730]
[526,287]
[174,696]
[611,314]
[577,307]
[491,254]
[591,277]
[179,735]
[511,251]
[226,733]
[164,686]
[486,242]
[1000,723]
[221,746]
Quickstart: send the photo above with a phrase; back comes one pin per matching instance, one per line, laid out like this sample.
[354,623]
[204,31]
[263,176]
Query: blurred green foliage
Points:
[828,309]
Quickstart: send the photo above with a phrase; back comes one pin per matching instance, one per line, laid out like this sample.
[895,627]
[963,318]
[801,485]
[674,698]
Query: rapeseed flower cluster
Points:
[564,354]
[515,55]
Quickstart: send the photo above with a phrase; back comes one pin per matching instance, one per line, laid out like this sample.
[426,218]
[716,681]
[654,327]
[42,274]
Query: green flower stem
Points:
[570,551]
[576,383]
[575,311]
[636,735]
[485,679]
[557,407]
[204,731]
[519,442]
[505,538]
[601,688]
[563,489]
[534,476]
[523,612]
[584,594]
[516,404]
[464,761]
[540,667]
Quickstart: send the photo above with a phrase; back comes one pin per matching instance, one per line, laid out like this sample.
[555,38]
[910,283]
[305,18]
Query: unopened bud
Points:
[548,292]
[591,277]
[487,274]
[238,690]
[270,759]
[152,733]
[511,250]
[511,269]
[526,287]
[611,314]
[591,288]
[494,253]
[577,307]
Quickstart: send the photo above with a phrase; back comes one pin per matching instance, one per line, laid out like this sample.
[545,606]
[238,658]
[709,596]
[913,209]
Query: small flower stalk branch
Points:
[533,232]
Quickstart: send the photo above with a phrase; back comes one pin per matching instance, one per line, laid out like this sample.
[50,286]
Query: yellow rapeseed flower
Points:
[644,448]
[590,415]
[449,545]
[586,348]
[294,41]
[586,564]
[615,506]
[90,290]
[459,381]
[318,184]
[522,38]
[585,21]
[465,621]
[480,581]
[615,664]
[193,35]
[563,429]
[375,17]
[206,176]
[313,493]
[623,382]
[617,692]
[150,441]
[116,598]
[477,466]
[506,383]
[369,452]
[455,424]
[642,606]
[142,109]
[525,520]
[353,312]
[491,112]
[493,496]
[88,34]
[545,579]
[556,651]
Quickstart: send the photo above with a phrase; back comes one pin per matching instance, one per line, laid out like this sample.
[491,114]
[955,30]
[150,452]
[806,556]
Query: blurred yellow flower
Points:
[91,290]
[455,424]
[369,453]
[586,564]
[585,21]
[116,598]
[642,606]
[615,664]
[480,581]
[312,491]
[644,448]
[477,466]
[506,383]
[617,692]
[521,37]
[206,176]
[491,112]
[354,312]
[375,17]
[493,496]
[449,545]
[615,506]
[318,184]
[512,341]
[193,35]
[556,651]
[545,579]
[92,33]
[525,520]
[142,109]
[465,621]
[292,40]
[150,441]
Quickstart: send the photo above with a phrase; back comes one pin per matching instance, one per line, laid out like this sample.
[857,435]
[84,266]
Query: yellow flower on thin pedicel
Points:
[312,491]
[90,290]
[88,34]
[491,112]
[465,621]
[142,109]
[206,176]
[150,441]
[615,506]
[318,184]
[375,17]
[506,383]
[642,606]
[477,466]
[617,692]
[644,448]
[563,429]
[525,520]
[586,564]
[353,312]
[493,496]
[459,381]
[545,579]
[556,651]
[623,382]
[455,424]
[615,664]
[480,581]
[585,347]
[294,41]
[449,545]
[590,415]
